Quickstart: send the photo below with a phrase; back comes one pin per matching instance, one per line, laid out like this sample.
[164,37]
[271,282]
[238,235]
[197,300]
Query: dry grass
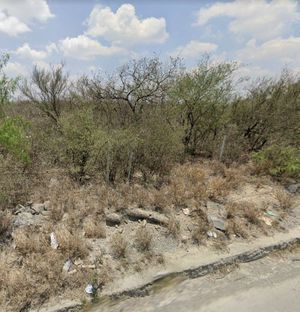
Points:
[143,238]
[173,227]
[201,227]
[71,244]
[5,224]
[118,245]
[27,241]
[218,188]
[237,227]
[285,199]
[252,213]
[94,229]
[38,278]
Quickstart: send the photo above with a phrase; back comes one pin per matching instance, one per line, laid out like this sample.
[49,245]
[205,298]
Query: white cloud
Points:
[85,48]
[278,51]
[17,15]
[11,25]
[25,51]
[14,69]
[194,49]
[124,27]
[252,72]
[260,19]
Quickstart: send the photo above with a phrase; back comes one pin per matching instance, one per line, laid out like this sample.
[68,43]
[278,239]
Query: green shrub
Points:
[13,139]
[75,142]
[279,161]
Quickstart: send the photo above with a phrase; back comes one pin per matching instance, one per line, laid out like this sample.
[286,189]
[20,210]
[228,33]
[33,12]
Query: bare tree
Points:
[138,83]
[47,90]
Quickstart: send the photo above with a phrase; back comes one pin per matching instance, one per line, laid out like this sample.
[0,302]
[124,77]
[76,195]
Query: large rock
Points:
[217,215]
[113,219]
[31,214]
[151,216]
[216,209]
[218,223]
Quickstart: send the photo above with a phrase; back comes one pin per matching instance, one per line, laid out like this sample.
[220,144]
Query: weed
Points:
[143,238]
[118,245]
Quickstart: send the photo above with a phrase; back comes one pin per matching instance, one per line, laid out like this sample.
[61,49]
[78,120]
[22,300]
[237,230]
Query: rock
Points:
[293,188]
[144,223]
[218,223]
[184,239]
[113,219]
[31,214]
[27,219]
[53,241]
[40,208]
[67,266]
[216,209]
[186,211]
[151,216]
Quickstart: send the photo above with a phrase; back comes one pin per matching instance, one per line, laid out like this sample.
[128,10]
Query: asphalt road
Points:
[271,284]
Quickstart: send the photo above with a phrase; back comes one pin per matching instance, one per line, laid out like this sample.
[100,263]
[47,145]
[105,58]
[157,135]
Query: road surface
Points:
[271,284]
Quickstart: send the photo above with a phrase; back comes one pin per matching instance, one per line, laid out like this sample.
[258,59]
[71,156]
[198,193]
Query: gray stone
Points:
[218,223]
[293,188]
[216,209]
[113,219]
[27,219]
[137,214]
[40,208]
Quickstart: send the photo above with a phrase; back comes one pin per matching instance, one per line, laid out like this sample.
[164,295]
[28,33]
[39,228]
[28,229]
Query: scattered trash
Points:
[89,289]
[271,213]
[268,221]
[144,223]
[78,262]
[186,211]
[212,234]
[89,266]
[54,242]
[67,266]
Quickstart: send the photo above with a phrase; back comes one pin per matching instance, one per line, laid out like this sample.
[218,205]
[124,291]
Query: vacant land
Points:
[106,176]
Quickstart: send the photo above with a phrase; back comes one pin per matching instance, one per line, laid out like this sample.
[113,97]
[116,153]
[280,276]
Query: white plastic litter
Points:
[89,289]
[212,234]
[186,211]
[67,266]
[53,239]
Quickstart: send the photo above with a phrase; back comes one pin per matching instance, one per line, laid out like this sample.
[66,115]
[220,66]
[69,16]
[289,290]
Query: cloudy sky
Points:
[89,35]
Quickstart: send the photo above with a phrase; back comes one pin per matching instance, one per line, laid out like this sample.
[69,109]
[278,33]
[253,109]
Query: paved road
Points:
[271,284]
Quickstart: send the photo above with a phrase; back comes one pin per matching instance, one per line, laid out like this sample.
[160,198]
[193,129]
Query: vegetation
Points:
[152,136]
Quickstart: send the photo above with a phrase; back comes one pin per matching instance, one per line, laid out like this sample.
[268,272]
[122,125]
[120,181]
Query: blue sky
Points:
[91,35]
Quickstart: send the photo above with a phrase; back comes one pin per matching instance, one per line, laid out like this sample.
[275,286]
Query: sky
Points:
[99,35]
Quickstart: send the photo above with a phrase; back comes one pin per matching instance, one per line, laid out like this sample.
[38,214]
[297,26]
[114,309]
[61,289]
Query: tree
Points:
[136,84]
[47,89]
[270,113]
[7,85]
[202,95]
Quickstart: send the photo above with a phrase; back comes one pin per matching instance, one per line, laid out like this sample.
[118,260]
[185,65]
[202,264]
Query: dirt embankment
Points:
[69,237]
